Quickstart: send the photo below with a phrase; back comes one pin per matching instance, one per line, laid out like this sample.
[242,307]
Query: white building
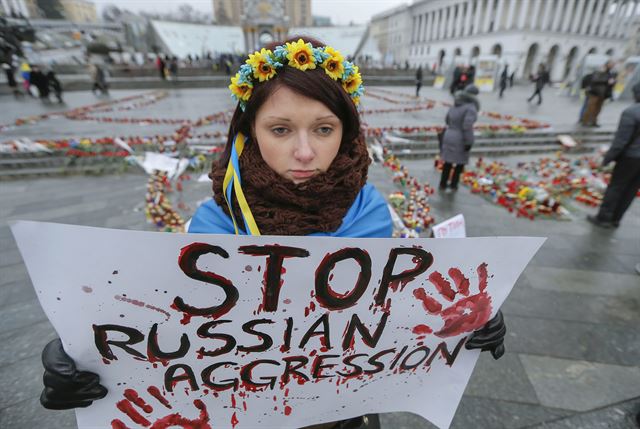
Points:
[522,33]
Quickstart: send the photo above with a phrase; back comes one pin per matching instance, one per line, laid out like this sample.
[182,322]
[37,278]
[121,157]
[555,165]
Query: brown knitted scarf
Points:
[281,207]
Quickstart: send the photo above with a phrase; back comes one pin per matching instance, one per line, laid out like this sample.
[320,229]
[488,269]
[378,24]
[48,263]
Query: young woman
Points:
[458,137]
[295,163]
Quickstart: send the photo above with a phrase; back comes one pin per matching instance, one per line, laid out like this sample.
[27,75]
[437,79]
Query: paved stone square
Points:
[573,342]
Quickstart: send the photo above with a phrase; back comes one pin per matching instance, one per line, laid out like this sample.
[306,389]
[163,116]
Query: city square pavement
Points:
[573,342]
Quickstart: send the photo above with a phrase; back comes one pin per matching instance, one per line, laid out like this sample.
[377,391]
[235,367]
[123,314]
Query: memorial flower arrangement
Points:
[264,65]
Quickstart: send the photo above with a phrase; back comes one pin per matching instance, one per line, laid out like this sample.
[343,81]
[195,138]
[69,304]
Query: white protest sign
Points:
[222,331]
[453,227]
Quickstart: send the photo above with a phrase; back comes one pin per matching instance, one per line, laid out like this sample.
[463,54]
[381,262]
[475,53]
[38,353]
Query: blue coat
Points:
[368,217]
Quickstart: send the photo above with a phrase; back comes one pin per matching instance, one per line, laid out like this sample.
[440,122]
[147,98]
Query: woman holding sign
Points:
[295,163]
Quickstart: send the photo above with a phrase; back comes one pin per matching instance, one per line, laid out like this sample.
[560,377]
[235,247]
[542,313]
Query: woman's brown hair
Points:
[315,84]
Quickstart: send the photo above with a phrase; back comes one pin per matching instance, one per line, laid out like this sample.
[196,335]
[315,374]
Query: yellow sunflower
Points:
[353,81]
[300,55]
[333,65]
[242,90]
[356,100]
[259,62]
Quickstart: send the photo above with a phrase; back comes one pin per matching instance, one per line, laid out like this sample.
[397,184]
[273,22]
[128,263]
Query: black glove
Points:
[64,386]
[467,147]
[490,337]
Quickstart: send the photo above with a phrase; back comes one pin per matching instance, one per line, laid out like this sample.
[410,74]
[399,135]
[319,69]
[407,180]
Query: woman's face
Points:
[298,137]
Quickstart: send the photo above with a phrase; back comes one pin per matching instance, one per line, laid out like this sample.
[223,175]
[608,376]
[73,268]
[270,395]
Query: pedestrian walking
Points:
[160,65]
[55,85]
[540,79]
[625,180]
[418,80]
[9,72]
[504,79]
[39,80]
[600,88]
[25,73]
[458,136]
[173,68]
[296,175]
[99,78]
[584,84]
[512,76]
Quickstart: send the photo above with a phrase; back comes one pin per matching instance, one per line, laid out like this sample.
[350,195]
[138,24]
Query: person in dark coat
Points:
[55,85]
[418,80]
[458,137]
[625,180]
[39,80]
[9,71]
[504,80]
[540,80]
[600,87]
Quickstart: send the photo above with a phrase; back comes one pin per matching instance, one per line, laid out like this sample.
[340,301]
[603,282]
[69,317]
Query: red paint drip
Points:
[137,303]
[186,317]
[233,400]
[287,410]
[132,396]
[443,285]
[429,304]
[234,420]
[127,408]
[87,289]
[421,329]
[155,392]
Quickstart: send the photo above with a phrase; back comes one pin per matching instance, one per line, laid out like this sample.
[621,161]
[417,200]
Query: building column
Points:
[548,7]
[557,15]
[535,14]
[434,25]
[626,14]
[603,21]
[443,23]
[579,12]
[427,28]
[587,16]
[510,15]
[487,16]
[455,19]
[448,12]
[624,10]
[498,19]
[568,14]
[631,17]
[477,16]
[617,19]
[524,4]
[458,30]
[595,18]
[467,18]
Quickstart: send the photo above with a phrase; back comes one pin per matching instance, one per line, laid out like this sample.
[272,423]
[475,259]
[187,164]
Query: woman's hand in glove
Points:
[65,386]
[490,337]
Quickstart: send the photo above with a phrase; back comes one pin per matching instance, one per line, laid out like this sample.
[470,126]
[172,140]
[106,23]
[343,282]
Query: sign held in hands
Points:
[221,331]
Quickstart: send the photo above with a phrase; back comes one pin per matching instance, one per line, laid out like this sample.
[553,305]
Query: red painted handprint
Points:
[466,314]
[169,421]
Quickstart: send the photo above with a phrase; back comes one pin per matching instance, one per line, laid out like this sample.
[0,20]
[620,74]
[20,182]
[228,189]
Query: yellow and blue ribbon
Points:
[232,182]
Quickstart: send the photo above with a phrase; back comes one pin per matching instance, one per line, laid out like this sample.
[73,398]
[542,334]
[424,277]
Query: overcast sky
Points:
[340,11]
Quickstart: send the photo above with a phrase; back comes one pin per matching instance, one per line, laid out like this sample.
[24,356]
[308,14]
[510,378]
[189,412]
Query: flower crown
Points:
[262,65]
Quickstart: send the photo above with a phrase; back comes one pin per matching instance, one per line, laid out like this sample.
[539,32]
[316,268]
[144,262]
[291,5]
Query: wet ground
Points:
[573,343]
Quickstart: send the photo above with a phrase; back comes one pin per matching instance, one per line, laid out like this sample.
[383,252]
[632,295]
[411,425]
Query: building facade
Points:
[79,10]
[233,12]
[522,33]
